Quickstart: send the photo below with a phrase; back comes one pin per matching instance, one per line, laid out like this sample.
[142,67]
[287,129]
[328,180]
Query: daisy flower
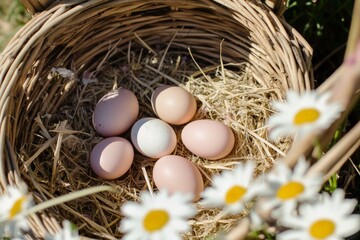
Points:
[13,203]
[231,189]
[302,114]
[285,188]
[159,217]
[68,232]
[328,219]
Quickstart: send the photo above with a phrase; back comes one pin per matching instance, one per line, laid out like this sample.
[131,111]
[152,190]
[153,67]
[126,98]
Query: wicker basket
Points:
[77,35]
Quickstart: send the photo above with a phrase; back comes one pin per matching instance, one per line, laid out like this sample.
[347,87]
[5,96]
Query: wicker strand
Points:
[36,6]
[78,35]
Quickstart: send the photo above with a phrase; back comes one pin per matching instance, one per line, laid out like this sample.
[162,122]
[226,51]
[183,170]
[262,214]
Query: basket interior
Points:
[105,39]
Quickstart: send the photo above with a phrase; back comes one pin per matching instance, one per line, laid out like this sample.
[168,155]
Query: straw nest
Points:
[233,56]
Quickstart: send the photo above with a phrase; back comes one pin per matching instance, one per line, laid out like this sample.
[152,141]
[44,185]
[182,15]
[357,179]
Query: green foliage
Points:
[261,234]
[325,25]
[12,16]
[13,12]
[332,184]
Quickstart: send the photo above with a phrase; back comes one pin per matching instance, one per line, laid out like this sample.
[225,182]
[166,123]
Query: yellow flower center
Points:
[17,207]
[322,228]
[234,194]
[306,115]
[290,190]
[156,220]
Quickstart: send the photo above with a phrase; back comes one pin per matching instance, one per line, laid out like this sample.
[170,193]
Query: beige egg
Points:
[112,157]
[178,174]
[207,138]
[115,112]
[173,104]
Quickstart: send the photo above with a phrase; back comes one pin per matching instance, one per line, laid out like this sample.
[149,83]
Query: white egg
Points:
[153,137]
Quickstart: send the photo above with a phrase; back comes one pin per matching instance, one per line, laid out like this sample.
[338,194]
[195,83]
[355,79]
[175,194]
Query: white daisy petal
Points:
[14,202]
[301,167]
[159,217]
[245,172]
[292,96]
[286,188]
[171,235]
[130,209]
[324,98]
[292,221]
[348,206]
[146,197]
[323,221]
[258,189]
[234,208]
[291,235]
[302,114]
[134,235]
[278,132]
[157,236]
[181,226]
[211,199]
[279,106]
[269,204]
[127,225]
[349,225]
[231,189]
[338,196]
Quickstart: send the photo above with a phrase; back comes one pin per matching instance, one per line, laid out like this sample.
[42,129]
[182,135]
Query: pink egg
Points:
[115,112]
[112,157]
[173,104]
[178,174]
[208,138]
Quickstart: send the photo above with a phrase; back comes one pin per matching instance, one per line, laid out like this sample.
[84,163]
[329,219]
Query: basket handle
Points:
[35,6]
[277,6]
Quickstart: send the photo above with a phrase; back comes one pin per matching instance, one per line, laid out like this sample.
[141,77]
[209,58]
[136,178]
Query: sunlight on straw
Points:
[67,197]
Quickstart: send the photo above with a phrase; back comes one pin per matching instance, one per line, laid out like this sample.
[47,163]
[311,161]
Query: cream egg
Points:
[207,138]
[115,112]
[173,104]
[111,157]
[153,137]
[178,174]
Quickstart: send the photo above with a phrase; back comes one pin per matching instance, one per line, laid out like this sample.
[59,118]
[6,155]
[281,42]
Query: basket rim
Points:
[37,6]
[30,39]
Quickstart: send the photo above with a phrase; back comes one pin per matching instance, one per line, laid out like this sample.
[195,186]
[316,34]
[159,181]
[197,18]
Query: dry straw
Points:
[234,56]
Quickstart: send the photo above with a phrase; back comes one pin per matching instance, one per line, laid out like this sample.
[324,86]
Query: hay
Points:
[64,136]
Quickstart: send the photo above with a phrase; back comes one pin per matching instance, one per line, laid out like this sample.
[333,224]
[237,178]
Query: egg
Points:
[173,104]
[153,137]
[207,138]
[178,174]
[115,112]
[111,157]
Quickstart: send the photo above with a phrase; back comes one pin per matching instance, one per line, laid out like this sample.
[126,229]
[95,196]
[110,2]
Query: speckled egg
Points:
[153,137]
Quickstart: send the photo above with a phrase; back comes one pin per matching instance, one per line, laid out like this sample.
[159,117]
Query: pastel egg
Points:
[153,137]
[115,112]
[173,104]
[207,138]
[111,157]
[178,174]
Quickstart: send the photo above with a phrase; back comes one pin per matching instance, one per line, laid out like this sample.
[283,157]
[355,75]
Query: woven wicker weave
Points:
[34,6]
[77,34]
